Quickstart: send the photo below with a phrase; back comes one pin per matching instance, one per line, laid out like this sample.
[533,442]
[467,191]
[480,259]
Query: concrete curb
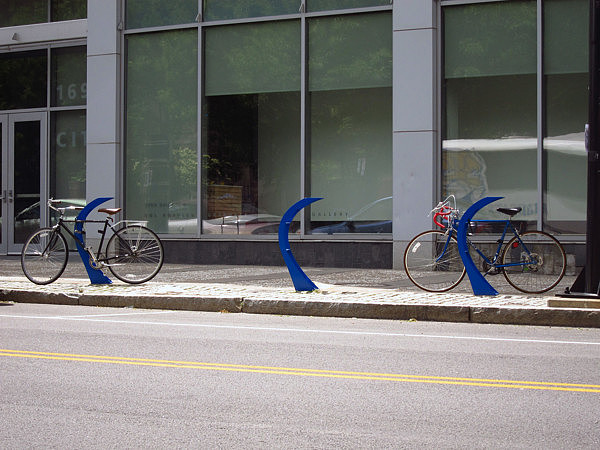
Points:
[437,313]
[588,318]
[558,317]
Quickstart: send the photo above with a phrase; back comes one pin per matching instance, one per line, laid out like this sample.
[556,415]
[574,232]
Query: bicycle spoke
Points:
[134,254]
[44,256]
[432,262]
[537,262]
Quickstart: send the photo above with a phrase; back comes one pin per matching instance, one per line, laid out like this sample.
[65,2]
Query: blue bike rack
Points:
[479,284]
[96,275]
[299,278]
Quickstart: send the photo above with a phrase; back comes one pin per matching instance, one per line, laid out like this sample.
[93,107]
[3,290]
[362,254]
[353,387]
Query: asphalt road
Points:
[81,377]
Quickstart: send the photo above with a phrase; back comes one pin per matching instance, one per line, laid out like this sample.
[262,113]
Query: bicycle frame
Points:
[95,258]
[492,262]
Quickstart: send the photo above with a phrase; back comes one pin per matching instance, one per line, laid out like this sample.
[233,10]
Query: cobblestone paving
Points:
[257,282]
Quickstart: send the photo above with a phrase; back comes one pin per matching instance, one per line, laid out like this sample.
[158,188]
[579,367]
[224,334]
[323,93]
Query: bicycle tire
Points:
[44,256]
[534,278]
[143,262]
[429,266]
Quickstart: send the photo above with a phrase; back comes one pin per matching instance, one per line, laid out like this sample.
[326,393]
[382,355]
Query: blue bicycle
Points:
[532,262]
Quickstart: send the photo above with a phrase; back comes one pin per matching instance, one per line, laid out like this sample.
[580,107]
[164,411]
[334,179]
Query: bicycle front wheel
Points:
[44,256]
[433,263]
[134,254]
[537,262]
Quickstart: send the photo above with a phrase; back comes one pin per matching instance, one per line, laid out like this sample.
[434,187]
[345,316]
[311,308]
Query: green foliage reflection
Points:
[154,13]
[23,78]
[161,152]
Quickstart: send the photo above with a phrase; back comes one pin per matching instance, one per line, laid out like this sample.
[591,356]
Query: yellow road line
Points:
[481,382]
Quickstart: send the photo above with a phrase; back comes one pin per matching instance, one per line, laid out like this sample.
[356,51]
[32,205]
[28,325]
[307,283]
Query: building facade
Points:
[209,118]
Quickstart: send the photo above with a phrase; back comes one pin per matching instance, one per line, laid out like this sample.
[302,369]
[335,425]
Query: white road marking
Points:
[290,330]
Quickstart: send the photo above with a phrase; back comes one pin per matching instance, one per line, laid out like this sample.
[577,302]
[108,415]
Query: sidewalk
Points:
[360,293]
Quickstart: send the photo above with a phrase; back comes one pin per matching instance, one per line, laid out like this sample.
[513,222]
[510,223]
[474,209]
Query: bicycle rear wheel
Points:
[540,259]
[44,256]
[433,263]
[134,254]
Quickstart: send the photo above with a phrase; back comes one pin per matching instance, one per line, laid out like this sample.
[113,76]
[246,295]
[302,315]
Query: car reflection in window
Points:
[28,220]
[362,220]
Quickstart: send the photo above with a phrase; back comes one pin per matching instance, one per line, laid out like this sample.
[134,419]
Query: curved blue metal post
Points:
[96,275]
[299,278]
[478,282]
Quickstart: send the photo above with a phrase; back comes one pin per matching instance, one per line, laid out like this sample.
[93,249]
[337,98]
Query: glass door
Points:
[23,180]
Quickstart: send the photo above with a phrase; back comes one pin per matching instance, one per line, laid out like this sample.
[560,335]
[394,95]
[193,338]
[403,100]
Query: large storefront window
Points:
[493,111]
[279,119]
[350,77]
[566,98]
[251,156]
[490,119]
[161,138]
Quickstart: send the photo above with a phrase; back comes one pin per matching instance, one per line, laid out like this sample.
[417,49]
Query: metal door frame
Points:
[8,181]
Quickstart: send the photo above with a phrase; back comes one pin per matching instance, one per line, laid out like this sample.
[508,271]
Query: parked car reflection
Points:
[234,224]
[362,221]
[28,220]
[242,224]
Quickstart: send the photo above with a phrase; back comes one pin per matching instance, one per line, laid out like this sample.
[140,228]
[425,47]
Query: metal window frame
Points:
[540,106]
[201,25]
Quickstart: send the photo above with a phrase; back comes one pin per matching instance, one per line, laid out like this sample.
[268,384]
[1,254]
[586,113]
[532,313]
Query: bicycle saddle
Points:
[510,211]
[109,211]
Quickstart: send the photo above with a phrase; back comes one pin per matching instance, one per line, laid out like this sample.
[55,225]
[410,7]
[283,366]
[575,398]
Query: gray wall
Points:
[414,119]
[103,100]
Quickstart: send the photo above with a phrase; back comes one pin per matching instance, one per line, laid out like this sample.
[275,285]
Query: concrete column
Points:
[414,120]
[103,100]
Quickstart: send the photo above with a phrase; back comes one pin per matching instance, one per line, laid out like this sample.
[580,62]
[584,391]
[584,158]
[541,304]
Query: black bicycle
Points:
[133,254]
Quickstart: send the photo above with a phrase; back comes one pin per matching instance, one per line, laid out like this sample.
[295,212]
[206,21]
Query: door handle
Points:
[10,196]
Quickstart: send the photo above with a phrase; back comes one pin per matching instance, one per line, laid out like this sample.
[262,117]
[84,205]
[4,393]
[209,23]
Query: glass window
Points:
[23,80]
[490,118]
[239,9]
[68,9]
[251,158]
[161,139]
[67,155]
[324,5]
[23,12]
[69,68]
[566,108]
[155,13]
[67,161]
[350,77]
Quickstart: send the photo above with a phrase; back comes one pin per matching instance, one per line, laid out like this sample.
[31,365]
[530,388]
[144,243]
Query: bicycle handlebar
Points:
[61,211]
[445,211]
[444,208]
